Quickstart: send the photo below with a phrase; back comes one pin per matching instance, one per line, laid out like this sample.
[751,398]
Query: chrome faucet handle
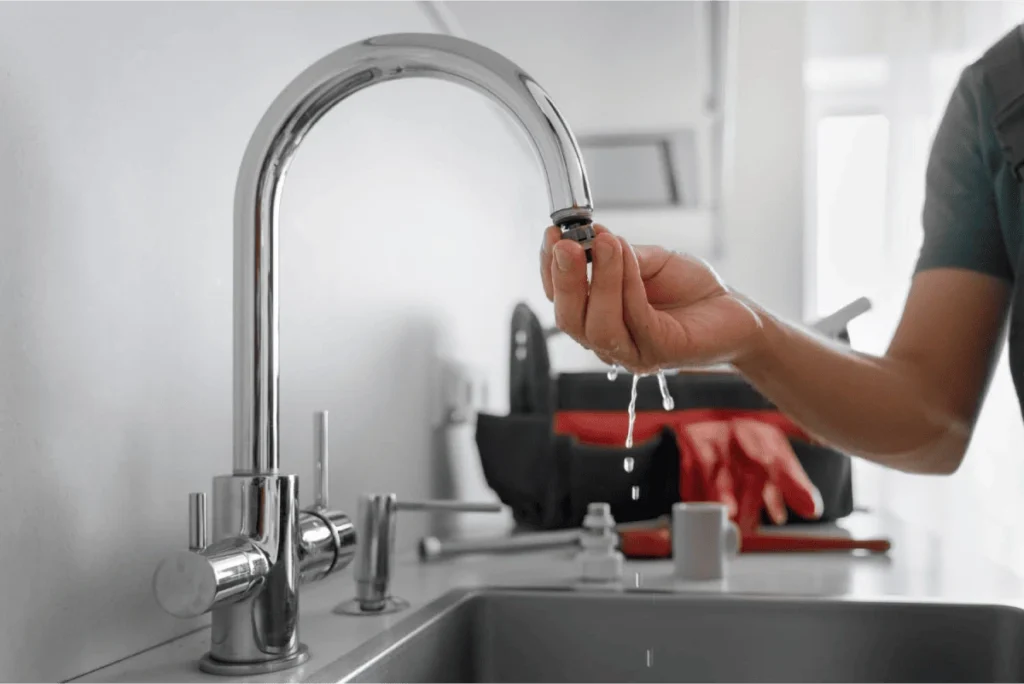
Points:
[197,535]
[327,539]
[190,583]
[375,518]
[449,506]
[321,482]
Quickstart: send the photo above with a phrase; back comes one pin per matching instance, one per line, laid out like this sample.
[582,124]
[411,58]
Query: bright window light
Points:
[851,208]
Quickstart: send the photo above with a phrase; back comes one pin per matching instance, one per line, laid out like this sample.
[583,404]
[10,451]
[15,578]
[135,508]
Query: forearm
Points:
[876,408]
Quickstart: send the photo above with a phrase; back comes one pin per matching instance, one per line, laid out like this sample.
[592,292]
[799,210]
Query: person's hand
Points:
[646,308]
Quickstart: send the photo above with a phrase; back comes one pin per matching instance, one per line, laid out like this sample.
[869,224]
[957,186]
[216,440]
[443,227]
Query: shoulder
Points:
[995,75]
[967,128]
[971,99]
[970,196]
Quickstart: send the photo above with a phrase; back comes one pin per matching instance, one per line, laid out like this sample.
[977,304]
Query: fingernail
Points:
[819,504]
[563,260]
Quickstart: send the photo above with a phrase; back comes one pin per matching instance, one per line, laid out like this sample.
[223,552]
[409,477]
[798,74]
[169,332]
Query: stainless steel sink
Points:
[565,636]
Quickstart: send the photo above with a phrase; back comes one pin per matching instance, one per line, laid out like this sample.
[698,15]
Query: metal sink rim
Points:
[367,654]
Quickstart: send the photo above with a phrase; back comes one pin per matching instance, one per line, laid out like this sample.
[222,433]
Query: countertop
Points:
[920,566]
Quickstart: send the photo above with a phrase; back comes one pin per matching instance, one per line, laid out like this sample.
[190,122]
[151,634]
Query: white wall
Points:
[855,29]
[619,66]
[121,129]
[763,194]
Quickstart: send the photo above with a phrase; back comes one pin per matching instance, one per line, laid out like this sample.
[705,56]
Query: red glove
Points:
[746,464]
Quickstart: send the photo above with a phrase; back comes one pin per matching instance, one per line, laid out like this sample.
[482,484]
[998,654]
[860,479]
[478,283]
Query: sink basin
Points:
[512,635]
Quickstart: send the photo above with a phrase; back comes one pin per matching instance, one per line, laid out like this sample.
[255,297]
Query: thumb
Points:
[651,259]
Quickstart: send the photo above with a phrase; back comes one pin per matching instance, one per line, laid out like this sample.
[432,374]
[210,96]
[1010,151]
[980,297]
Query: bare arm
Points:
[913,409]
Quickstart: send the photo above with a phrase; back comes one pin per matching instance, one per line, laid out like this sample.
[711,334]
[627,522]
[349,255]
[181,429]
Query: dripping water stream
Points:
[667,402]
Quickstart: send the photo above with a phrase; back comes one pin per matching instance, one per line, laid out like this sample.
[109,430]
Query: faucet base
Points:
[211,665]
[392,604]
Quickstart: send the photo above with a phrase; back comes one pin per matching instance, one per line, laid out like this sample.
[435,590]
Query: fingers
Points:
[569,288]
[635,308]
[552,234]
[797,489]
[592,313]
[805,494]
[769,446]
[725,491]
[604,327]
[775,504]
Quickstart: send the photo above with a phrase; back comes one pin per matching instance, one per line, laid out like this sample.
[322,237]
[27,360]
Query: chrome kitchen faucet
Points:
[262,545]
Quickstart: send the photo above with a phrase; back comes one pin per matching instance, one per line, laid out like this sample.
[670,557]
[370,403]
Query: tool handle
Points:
[657,543]
[449,506]
[798,543]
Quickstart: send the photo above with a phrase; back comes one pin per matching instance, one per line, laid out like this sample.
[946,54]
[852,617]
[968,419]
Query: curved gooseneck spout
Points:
[295,111]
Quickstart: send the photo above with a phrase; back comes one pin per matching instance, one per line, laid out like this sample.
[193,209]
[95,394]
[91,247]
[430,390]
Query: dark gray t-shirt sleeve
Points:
[961,215]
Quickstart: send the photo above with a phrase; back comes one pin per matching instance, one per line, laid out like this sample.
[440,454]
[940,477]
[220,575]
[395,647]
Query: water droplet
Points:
[635,493]
[613,373]
[650,657]
[520,337]
[628,463]
[667,402]
[637,580]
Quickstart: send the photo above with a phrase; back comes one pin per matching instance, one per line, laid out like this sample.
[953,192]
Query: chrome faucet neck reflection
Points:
[262,544]
[257,197]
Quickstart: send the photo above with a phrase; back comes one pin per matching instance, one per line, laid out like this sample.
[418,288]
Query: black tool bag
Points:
[548,480]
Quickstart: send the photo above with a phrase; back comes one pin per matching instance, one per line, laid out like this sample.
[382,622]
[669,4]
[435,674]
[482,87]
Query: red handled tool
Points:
[657,543]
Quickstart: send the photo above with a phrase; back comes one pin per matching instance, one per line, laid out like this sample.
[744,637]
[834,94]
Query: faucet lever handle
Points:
[450,506]
[321,460]
[197,539]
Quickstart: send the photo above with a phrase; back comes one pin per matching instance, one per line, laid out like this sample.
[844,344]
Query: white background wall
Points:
[648,55]
[763,197]
[121,129]
[411,224]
